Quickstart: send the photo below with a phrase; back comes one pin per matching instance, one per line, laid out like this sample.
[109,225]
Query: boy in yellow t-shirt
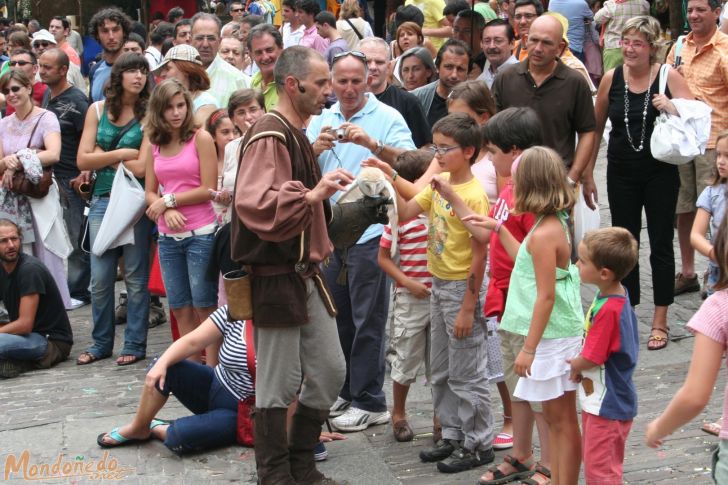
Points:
[458,356]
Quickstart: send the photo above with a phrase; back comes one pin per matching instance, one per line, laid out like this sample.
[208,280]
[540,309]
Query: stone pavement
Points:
[56,415]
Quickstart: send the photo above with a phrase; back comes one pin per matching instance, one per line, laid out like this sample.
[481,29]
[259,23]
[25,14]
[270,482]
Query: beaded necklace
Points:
[644,112]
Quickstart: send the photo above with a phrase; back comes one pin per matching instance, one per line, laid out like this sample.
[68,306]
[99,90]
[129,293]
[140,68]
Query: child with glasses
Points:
[458,354]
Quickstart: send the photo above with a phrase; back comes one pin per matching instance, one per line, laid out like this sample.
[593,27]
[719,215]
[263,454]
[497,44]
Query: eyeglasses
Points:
[11,89]
[440,151]
[42,43]
[202,38]
[635,44]
[20,63]
[527,16]
[357,54]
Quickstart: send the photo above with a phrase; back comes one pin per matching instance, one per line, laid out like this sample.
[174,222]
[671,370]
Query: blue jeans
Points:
[184,271]
[23,347]
[79,265]
[103,279]
[362,305]
[214,423]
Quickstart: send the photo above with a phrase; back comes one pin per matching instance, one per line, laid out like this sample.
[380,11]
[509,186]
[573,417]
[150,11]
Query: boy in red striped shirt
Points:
[410,327]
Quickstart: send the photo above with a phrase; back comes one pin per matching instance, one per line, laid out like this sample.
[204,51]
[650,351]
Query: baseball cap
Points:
[43,34]
[181,52]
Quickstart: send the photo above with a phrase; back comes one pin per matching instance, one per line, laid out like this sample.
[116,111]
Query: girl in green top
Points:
[544,302]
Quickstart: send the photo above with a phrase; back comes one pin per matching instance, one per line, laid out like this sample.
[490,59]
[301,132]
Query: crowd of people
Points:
[215,154]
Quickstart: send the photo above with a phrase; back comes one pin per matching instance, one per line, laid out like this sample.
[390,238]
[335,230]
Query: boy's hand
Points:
[574,375]
[522,365]
[418,290]
[442,186]
[463,324]
[383,166]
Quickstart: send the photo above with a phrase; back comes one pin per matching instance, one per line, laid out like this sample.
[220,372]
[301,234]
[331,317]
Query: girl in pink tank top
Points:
[180,180]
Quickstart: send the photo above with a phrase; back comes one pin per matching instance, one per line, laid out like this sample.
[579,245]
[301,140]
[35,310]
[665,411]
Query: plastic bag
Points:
[126,207]
[585,219]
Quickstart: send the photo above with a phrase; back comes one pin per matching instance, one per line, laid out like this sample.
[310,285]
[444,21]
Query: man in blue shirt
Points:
[577,12]
[110,27]
[360,289]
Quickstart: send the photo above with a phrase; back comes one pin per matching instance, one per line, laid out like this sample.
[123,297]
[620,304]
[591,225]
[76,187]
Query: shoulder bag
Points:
[246,407]
[22,185]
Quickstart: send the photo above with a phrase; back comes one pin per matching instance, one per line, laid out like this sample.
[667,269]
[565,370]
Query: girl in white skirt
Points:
[544,304]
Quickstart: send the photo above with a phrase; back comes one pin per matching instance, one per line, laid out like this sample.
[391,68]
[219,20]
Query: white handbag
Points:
[672,141]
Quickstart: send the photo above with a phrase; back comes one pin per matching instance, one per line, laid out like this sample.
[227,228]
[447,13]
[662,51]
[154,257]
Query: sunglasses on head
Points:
[357,54]
[13,89]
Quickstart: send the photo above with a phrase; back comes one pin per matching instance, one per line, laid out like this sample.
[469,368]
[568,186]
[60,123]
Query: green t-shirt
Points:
[484,9]
[105,135]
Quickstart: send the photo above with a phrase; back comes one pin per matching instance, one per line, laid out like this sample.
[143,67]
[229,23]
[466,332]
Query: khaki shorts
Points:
[511,345]
[409,337]
[694,177]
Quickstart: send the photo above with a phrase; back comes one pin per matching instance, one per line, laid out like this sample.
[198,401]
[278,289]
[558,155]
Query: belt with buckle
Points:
[202,231]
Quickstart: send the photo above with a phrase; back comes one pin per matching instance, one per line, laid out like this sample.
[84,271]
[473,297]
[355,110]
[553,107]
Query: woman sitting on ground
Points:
[212,394]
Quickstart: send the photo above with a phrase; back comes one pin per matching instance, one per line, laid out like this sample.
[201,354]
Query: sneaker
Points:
[463,459]
[157,316]
[120,312]
[77,303]
[319,452]
[441,450]
[339,407]
[355,419]
[686,285]
[13,368]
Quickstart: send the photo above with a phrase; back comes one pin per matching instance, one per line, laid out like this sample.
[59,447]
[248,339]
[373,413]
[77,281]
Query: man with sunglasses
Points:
[24,60]
[364,127]
[44,41]
[237,13]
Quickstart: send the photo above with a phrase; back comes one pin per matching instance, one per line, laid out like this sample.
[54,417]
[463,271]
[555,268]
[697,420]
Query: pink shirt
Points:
[312,39]
[180,173]
[711,320]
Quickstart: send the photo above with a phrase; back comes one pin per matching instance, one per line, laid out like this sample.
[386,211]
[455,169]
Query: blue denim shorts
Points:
[184,267]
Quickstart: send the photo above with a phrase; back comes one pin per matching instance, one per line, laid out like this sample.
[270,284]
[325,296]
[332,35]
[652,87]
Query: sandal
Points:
[116,436]
[713,428]
[402,431]
[538,470]
[521,471]
[87,358]
[126,359]
[661,341]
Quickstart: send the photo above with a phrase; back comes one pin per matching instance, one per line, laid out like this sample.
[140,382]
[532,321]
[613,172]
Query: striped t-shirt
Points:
[232,369]
[412,245]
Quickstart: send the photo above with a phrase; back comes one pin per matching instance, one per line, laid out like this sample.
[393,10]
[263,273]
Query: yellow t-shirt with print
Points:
[449,254]
[432,10]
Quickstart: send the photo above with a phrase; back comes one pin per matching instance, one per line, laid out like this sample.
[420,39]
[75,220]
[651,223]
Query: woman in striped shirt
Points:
[212,394]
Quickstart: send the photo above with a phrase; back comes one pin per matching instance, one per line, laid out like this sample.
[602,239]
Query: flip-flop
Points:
[158,422]
[116,436]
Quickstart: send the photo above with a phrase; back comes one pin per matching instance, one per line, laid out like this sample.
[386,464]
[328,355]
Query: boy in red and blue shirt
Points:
[609,355]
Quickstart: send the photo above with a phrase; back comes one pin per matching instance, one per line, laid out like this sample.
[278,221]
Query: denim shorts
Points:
[184,267]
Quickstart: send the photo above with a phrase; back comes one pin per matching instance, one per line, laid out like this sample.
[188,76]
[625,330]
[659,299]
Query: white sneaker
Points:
[77,303]
[355,419]
[339,407]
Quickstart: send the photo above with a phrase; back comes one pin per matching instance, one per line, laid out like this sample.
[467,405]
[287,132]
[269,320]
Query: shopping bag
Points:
[585,219]
[126,207]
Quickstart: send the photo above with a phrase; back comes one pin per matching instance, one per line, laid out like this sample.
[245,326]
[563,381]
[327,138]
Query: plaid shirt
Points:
[706,73]
[615,15]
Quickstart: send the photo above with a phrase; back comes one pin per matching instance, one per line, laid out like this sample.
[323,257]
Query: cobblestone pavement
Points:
[59,412]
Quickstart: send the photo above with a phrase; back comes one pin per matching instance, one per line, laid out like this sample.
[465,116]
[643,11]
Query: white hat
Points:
[43,34]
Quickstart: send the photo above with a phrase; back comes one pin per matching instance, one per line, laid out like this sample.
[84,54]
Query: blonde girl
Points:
[544,304]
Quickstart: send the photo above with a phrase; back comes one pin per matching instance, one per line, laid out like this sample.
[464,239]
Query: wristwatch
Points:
[170,201]
[379,149]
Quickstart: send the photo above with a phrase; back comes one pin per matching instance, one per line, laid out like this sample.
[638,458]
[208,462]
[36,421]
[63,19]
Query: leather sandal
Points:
[661,341]
[521,471]
[538,470]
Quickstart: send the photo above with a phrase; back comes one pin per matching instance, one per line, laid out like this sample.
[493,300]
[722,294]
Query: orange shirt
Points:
[706,73]
[71,53]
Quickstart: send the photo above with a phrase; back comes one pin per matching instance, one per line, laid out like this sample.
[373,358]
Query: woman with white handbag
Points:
[112,134]
[629,96]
